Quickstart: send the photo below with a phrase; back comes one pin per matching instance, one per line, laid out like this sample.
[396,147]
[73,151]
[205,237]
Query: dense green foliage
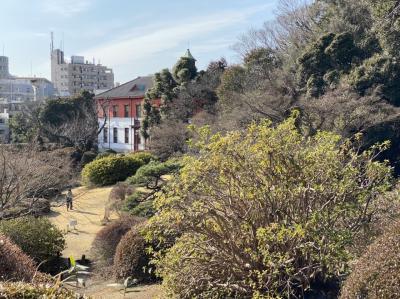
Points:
[67,121]
[185,69]
[114,168]
[263,212]
[163,89]
[379,72]
[152,177]
[37,237]
[376,274]
[183,94]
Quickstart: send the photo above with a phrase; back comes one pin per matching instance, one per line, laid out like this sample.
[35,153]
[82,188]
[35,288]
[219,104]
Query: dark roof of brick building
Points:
[135,88]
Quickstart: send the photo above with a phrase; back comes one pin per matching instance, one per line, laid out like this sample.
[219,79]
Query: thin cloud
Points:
[66,8]
[141,44]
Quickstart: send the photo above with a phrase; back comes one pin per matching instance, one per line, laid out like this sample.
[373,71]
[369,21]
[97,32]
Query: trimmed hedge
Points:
[146,157]
[106,153]
[15,265]
[107,239]
[131,259]
[37,237]
[376,274]
[110,170]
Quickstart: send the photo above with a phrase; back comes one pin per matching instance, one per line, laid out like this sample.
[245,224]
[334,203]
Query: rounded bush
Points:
[106,153]
[107,239]
[15,265]
[110,170]
[37,237]
[146,157]
[376,275]
[131,259]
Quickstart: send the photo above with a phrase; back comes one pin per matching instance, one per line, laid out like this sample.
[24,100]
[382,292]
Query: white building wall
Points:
[120,123]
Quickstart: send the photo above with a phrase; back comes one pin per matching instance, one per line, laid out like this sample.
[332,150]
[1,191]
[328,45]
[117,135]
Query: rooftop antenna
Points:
[31,69]
[3,49]
[62,48]
[52,41]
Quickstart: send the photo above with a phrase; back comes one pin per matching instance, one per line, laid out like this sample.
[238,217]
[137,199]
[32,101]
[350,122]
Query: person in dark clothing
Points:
[69,200]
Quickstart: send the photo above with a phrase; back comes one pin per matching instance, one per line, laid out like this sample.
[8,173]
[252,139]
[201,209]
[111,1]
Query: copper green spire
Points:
[188,55]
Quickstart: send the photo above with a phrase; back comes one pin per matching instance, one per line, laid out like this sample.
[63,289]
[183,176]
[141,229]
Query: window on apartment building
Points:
[2,121]
[126,135]
[138,111]
[115,135]
[126,110]
[105,135]
[115,111]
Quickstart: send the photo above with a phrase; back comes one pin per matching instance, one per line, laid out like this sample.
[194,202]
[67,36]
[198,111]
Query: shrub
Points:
[146,157]
[381,73]
[37,237]
[151,174]
[107,239]
[21,290]
[377,273]
[15,265]
[110,170]
[263,212]
[143,209]
[131,259]
[106,153]
[88,157]
[153,177]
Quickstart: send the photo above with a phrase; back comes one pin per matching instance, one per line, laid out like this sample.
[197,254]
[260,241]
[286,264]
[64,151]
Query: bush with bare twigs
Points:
[107,239]
[131,259]
[376,274]
[116,199]
[27,175]
[15,265]
[27,290]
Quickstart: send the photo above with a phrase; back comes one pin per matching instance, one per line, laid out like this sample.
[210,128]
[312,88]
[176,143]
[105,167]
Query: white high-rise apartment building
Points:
[70,78]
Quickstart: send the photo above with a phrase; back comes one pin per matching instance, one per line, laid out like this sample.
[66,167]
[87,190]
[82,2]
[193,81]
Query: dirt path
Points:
[88,212]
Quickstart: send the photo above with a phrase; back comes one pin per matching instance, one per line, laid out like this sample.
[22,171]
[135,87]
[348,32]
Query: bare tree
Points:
[81,129]
[27,175]
[295,24]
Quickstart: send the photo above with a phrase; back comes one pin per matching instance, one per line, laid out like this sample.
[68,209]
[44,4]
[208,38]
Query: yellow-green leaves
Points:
[263,212]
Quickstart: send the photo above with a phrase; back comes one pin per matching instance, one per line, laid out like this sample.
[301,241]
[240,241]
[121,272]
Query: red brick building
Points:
[124,108]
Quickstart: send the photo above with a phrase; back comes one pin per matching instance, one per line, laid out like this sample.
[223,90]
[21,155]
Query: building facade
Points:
[4,126]
[15,92]
[70,78]
[121,112]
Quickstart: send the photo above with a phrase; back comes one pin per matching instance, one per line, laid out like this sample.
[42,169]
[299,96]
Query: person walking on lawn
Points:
[69,200]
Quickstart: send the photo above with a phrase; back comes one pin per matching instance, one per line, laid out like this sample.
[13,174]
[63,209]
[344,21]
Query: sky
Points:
[134,38]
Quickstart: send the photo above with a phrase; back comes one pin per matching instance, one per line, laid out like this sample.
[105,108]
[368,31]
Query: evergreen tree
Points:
[185,69]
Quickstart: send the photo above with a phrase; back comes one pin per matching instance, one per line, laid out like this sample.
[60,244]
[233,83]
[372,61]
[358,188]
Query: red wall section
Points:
[121,106]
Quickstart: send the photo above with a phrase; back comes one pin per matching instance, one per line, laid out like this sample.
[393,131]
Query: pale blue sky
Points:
[131,36]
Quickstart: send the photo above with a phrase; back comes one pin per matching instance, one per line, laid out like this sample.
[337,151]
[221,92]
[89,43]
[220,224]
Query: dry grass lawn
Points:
[88,212]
